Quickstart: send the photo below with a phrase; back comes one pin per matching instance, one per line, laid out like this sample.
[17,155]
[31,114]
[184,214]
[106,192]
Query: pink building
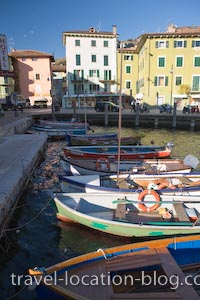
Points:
[33,74]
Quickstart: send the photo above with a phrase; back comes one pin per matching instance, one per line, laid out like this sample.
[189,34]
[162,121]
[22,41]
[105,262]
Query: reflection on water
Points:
[38,239]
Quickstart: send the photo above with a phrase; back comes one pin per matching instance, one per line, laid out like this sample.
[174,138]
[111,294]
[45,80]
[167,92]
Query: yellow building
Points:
[127,72]
[165,67]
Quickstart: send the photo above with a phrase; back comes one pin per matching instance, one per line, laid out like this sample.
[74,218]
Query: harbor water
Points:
[37,238]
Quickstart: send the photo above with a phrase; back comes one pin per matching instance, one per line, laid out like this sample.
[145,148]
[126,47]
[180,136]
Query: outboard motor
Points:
[170,145]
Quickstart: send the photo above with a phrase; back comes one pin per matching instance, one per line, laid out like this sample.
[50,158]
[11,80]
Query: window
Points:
[179,61]
[161,62]
[128,69]
[196,83]
[34,58]
[105,43]
[5,80]
[180,44]
[94,88]
[78,60]
[78,74]
[77,42]
[93,73]
[78,89]
[107,75]
[197,61]
[37,76]
[178,80]
[195,43]
[23,58]
[105,60]
[93,43]
[128,84]
[94,58]
[128,57]
[161,80]
[162,44]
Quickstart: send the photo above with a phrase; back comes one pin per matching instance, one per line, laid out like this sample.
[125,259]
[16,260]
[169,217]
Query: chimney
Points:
[171,28]
[114,28]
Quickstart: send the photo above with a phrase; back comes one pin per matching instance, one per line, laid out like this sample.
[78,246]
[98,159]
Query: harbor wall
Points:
[131,120]
[20,154]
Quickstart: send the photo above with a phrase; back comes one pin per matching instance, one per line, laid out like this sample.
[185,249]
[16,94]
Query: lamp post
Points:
[172,73]
[174,104]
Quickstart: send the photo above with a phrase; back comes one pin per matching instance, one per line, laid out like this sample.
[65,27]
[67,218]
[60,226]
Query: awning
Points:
[196,96]
[179,96]
[139,96]
[195,103]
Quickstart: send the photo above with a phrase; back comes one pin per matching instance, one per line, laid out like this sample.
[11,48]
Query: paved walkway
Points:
[18,156]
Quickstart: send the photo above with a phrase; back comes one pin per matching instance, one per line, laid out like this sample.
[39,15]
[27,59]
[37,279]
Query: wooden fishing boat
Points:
[170,184]
[111,152]
[63,124]
[109,166]
[156,269]
[58,132]
[101,139]
[170,181]
[158,215]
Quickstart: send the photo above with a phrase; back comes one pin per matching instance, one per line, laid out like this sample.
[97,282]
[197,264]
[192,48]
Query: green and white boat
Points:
[129,216]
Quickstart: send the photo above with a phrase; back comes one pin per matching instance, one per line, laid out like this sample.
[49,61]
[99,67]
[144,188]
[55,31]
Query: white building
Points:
[91,60]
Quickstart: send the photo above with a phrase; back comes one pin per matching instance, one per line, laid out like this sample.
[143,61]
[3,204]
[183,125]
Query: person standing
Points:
[132,105]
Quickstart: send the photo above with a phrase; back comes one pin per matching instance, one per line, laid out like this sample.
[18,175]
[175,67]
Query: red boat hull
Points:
[123,155]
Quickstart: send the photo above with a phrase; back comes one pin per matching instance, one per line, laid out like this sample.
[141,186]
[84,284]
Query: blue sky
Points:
[39,24]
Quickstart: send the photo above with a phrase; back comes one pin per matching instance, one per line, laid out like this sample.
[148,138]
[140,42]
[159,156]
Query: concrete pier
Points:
[19,154]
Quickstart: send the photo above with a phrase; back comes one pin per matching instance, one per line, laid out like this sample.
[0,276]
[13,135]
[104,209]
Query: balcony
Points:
[79,80]
[111,81]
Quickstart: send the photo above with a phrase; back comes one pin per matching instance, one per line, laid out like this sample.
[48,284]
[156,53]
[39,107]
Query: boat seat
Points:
[181,212]
[185,180]
[151,257]
[120,212]
[143,296]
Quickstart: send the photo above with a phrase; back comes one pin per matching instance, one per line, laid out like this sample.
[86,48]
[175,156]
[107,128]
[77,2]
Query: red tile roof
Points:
[29,53]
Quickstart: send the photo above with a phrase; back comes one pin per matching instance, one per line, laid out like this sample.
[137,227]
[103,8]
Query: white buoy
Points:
[191,160]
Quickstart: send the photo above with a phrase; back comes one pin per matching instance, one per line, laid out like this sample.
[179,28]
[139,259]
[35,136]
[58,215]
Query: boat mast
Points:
[120,115]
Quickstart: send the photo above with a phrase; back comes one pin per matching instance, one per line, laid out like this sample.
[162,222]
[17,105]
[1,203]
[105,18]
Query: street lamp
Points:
[172,73]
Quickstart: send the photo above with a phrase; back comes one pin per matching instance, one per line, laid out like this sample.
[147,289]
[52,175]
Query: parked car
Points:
[165,108]
[40,104]
[101,106]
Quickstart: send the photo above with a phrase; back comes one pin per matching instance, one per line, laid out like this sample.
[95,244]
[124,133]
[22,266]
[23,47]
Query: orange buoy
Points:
[141,197]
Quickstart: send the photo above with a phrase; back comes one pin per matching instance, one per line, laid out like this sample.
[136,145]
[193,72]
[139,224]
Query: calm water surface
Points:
[38,239]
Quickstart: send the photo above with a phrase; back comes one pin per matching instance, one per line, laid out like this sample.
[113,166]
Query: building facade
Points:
[33,74]
[59,84]
[127,71]
[168,67]
[91,65]
[6,72]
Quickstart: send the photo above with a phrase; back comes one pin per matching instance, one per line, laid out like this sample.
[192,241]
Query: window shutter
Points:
[155,80]
[193,44]
[167,44]
[156,45]
[174,44]
[185,44]
[166,81]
